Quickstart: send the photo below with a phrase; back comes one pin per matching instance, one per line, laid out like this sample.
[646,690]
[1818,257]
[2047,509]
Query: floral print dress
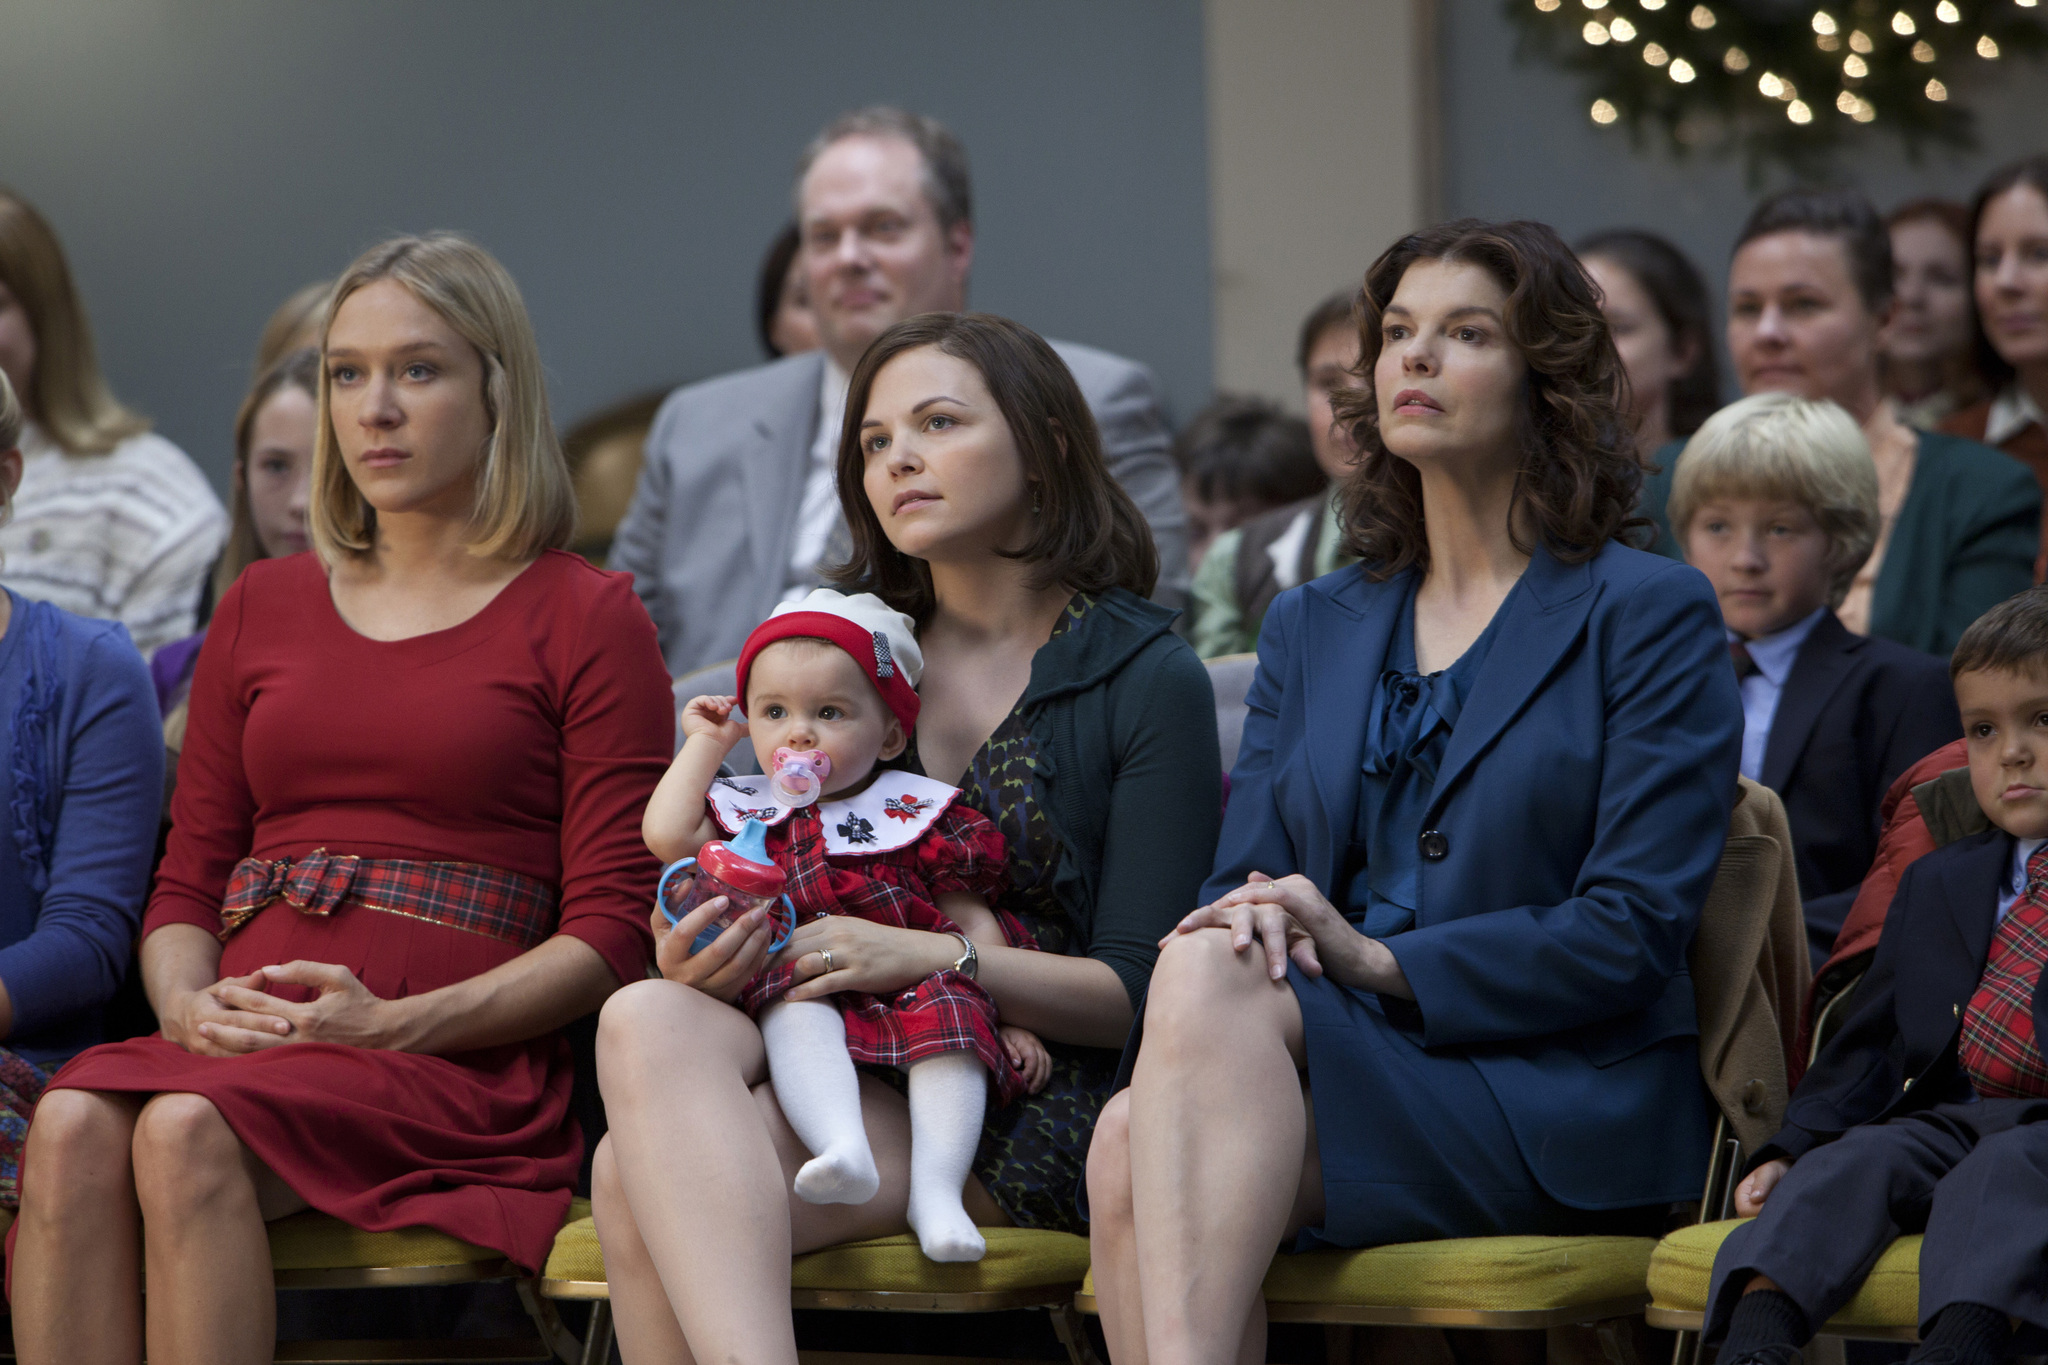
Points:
[1034,1151]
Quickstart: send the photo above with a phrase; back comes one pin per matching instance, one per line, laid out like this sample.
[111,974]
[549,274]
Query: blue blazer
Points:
[1573,833]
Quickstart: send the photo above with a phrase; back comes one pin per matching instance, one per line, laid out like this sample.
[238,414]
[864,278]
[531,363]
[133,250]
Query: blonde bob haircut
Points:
[1789,449]
[67,395]
[525,502]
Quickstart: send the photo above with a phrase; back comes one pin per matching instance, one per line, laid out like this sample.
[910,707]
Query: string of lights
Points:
[1781,82]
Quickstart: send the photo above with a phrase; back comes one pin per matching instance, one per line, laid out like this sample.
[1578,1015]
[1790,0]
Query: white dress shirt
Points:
[1774,655]
[2010,414]
[2015,883]
[818,513]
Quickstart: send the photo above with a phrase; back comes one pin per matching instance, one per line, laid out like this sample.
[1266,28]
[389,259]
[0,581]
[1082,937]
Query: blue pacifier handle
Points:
[711,932]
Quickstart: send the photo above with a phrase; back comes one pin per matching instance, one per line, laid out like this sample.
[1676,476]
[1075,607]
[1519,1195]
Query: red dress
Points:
[886,855]
[528,739]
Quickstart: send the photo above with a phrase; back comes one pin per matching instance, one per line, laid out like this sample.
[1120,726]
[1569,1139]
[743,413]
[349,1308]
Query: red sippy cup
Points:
[738,869]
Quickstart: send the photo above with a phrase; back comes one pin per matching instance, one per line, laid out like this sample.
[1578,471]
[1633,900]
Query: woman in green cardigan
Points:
[1809,292]
[1060,702]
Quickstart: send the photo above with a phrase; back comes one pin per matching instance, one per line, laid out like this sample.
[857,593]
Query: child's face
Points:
[2005,730]
[1766,559]
[1209,518]
[804,694]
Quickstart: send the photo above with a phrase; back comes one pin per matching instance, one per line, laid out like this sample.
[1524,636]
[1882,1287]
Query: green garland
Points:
[1785,81]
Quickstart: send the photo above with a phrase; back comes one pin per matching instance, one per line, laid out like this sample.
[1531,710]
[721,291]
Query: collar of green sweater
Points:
[1106,637]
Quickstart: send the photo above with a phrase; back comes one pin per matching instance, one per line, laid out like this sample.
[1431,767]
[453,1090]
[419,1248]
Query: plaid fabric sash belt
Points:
[508,906]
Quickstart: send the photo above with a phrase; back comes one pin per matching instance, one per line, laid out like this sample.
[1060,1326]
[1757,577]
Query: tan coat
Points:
[1750,968]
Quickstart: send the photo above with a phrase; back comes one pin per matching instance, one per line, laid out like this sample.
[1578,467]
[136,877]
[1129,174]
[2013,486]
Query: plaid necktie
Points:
[1998,1047]
[1738,654]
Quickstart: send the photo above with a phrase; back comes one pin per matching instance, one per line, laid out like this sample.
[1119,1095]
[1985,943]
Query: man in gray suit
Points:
[737,504]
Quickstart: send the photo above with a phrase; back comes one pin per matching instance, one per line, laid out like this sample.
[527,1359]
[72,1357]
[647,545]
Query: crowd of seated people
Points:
[1527,602]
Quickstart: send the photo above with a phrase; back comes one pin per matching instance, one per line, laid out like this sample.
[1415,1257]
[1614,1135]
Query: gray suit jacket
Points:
[707,538]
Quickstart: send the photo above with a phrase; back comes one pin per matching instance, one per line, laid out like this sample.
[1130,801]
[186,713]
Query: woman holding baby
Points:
[1054,696]
[1438,987]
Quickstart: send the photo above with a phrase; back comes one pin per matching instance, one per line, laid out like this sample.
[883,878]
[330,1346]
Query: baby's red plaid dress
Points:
[1999,1049]
[945,1012]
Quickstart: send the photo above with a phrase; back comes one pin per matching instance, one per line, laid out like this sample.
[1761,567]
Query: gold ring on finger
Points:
[825,955]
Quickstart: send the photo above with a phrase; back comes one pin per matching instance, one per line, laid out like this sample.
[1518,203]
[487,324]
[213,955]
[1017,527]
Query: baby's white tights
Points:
[948,1095]
[819,1091]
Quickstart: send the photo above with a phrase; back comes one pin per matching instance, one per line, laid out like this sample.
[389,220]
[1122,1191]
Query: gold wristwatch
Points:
[969,964]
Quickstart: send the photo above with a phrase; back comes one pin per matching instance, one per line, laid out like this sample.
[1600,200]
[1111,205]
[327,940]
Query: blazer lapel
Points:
[1823,663]
[775,470]
[1970,887]
[1350,629]
[1545,614]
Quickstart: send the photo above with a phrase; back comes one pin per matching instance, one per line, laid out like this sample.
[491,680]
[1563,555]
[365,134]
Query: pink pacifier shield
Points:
[799,777]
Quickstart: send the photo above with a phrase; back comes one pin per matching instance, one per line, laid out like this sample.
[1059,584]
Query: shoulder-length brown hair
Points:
[67,396]
[1577,482]
[525,500]
[1089,537]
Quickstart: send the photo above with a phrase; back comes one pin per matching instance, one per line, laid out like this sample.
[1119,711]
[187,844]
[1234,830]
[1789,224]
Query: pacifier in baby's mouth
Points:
[798,777]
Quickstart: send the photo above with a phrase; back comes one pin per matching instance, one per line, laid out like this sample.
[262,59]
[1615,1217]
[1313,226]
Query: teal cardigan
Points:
[1131,773]
[1965,539]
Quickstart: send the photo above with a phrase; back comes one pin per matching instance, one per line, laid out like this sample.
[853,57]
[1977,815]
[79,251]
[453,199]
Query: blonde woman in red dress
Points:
[405,850]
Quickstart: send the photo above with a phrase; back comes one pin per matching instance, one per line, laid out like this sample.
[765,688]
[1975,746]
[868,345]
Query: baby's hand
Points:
[713,718]
[1027,1054]
[1751,1193]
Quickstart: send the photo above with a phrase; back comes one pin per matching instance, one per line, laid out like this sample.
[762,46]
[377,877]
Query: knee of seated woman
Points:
[1194,970]
[77,1148]
[180,1128]
[645,1010]
[1109,1162]
[186,1156]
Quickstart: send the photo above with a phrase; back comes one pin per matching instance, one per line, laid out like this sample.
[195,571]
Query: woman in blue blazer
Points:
[1483,790]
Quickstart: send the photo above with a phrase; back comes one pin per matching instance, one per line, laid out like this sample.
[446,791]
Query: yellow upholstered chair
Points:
[1024,1268]
[1886,1308]
[315,1251]
[1502,1283]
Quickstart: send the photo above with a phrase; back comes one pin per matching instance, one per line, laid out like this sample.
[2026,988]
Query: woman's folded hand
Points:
[342,1010]
[1268,918]
[1292,919]
[205,1025]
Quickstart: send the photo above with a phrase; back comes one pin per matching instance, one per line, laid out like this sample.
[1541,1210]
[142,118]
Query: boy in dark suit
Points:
[1926,1112]
[1776,503]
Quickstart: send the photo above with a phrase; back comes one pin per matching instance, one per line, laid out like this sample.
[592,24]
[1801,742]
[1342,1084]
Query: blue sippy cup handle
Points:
[661,887]
[688,865]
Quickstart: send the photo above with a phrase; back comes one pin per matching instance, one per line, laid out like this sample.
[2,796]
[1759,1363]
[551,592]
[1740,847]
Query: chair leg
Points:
[554,1333]
[1686,1349]
[1072,1330]
[597,1342]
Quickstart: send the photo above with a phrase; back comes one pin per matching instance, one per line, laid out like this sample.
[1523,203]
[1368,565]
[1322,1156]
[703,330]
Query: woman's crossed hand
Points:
[1292,919]
[238,1014]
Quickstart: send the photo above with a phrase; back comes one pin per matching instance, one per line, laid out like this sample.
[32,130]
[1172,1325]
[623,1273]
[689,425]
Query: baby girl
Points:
[829,686]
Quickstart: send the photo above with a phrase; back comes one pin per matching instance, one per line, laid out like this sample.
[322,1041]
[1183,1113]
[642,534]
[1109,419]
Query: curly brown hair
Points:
[1579,475]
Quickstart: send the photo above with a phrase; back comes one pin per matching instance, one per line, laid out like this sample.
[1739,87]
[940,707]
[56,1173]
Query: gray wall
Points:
[628,162]
[1517,143]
